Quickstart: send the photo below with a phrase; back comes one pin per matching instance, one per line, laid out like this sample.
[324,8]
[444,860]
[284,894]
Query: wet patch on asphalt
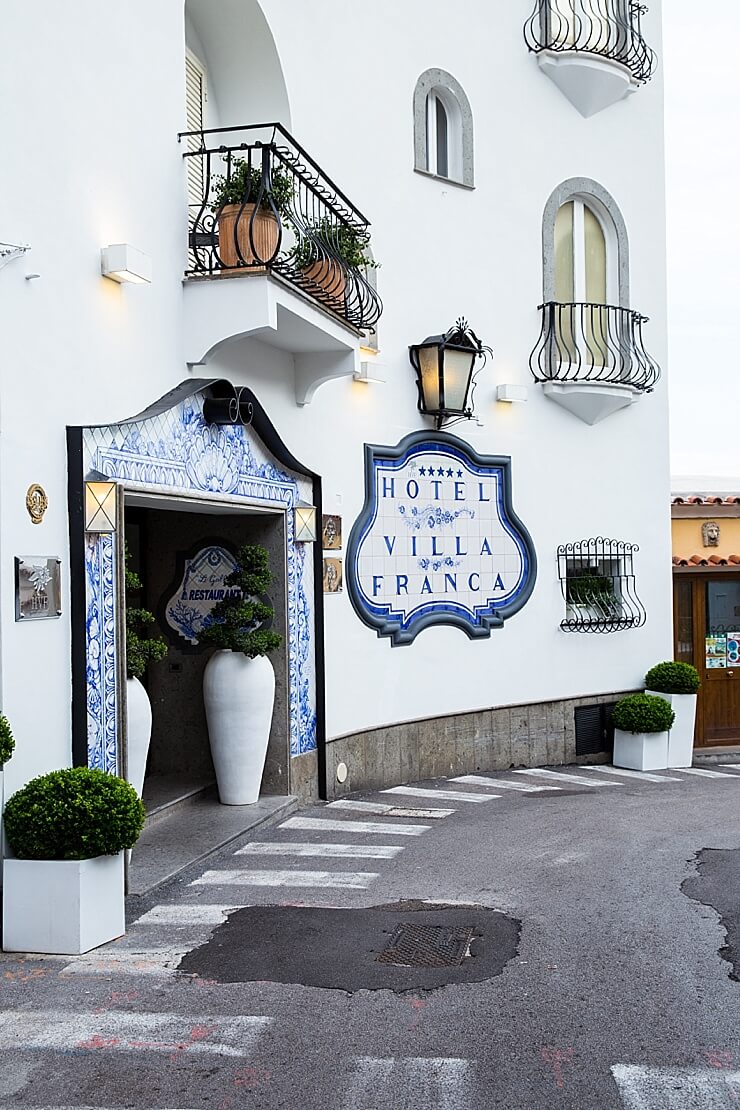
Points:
[340,949]
[716,885]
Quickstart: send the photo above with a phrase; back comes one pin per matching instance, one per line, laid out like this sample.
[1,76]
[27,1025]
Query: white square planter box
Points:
[64,907]
[681,736]
[641,751]
[2,826]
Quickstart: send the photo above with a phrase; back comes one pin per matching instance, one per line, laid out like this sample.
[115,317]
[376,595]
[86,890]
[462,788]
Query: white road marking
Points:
[185,915]
[500,784]
[332,851]
[442,1083]
[151,961]
[389,811]
[735,766]
[624,773]
[578,779]
[703,773]
[322,824]
[445,795]
[118,1031]
[358,880]
[644,1088]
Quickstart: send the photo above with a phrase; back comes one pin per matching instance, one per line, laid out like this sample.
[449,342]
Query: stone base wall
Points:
[489,740]
[304,777]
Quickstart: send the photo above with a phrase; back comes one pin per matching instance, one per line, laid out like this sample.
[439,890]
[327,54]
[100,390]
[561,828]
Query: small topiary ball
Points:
[673,678]
[7,743]
[76,813]
[643,713]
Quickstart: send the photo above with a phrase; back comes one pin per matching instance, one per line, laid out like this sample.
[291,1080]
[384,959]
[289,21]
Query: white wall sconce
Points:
[124,263]
[100,506]
[304,522]
[511,394]
[370,372]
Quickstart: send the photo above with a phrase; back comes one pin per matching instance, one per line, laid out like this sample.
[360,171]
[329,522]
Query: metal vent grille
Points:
[594,729]
[427,946]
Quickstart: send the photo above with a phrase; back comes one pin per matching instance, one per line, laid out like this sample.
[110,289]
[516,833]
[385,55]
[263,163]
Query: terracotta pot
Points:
[330,277]
[259,227]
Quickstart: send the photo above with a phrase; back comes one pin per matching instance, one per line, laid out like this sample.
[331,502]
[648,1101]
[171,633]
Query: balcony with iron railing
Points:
[594,50]
[259,204]
[591,358]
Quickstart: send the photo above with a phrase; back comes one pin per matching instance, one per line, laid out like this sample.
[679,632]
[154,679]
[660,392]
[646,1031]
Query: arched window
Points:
[443,128]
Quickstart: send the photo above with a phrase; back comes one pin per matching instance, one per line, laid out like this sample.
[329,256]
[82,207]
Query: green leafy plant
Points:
[7,743]
[237,622]
[590,589]
[243,186]
[141,650]
[322,240]
[673,678]
[643,713]
[76,813]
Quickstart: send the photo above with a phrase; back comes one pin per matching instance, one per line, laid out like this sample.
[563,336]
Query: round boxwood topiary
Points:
[76,813]
[643,713]
[7,743]
[673,678]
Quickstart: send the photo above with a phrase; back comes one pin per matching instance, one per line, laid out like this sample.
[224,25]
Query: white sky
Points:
[703,186]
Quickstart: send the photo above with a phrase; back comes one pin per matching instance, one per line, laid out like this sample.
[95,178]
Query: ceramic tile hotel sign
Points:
[437,541]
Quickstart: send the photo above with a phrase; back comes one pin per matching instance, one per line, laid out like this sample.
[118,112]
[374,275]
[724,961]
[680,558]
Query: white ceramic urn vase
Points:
[138,731]
[681,736]
[239,695]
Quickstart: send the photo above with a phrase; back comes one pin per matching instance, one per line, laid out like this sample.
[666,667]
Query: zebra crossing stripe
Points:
[624,773]
[703,773]
[185,915]
[578,779]
[119,1031]
[643,1088]
[446,795]
[501,784]
[444,1083]
[389,811]
[323,824]
[359,880]
[152,961]
[335,851]
[735,766]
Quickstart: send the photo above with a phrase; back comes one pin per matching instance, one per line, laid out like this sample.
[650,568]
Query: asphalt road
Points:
[585,948]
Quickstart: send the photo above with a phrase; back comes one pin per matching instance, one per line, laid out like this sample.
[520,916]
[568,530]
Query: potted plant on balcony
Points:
[641,727]
[239,680]
[141,650]
[7,747]
[325,251]
[242,222]
[678,683]
[64,890]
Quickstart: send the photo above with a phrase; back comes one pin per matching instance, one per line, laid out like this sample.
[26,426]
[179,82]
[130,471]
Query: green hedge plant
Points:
[673,678]
[243,186]
[324,240]
[7,743]
[76,813]
[643,713]
[238,622]
[141,649]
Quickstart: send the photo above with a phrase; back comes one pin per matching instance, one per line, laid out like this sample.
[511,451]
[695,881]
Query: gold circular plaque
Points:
[37,503]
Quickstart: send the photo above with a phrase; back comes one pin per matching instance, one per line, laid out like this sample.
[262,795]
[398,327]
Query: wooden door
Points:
[719,612]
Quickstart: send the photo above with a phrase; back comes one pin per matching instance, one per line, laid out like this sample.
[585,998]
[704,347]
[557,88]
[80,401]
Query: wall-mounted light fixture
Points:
[446,367]
[100,506]
[511,394]
[371,371]
[124,263]
[304,522]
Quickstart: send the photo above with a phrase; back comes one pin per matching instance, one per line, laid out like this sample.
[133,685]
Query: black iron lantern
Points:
[446,367]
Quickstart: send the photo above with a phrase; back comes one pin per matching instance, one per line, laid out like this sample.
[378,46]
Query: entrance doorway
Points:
[707,634]
[181,549]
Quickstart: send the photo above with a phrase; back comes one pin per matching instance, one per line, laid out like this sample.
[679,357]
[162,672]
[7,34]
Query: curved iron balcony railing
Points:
[593,343]
[258,202]
[609,28]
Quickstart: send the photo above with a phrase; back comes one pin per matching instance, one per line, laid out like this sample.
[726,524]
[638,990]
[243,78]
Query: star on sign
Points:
[422,471]
[441,472]
[449,473]
[459,473]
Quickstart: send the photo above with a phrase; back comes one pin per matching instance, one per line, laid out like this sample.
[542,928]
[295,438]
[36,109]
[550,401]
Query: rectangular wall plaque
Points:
[38,587]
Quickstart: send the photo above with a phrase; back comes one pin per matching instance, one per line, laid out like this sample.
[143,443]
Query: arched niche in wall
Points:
[443,128]
[233,42]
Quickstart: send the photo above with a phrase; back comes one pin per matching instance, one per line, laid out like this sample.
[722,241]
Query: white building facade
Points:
[475,583]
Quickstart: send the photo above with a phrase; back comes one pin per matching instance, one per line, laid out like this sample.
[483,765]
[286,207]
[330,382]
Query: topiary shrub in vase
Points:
[641,727]
[64,891]
[239,680]
[141,650]
[7,747]
[678,684]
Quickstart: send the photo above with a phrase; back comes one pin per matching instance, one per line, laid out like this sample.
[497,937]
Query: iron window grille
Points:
[608,28]
[598,585]
[267,207]
[593,343]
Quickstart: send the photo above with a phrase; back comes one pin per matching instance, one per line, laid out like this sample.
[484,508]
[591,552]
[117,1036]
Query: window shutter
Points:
[195,98]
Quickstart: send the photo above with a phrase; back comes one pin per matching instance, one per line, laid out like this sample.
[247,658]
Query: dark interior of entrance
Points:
[160,541]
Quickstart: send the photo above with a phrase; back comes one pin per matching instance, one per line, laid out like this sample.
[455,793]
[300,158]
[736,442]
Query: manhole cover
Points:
[427,946]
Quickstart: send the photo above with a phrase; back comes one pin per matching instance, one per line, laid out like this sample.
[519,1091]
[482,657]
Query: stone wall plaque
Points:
[38,587]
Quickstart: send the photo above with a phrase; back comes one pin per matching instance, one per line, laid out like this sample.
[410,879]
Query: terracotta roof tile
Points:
[705,499]
[700,561]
